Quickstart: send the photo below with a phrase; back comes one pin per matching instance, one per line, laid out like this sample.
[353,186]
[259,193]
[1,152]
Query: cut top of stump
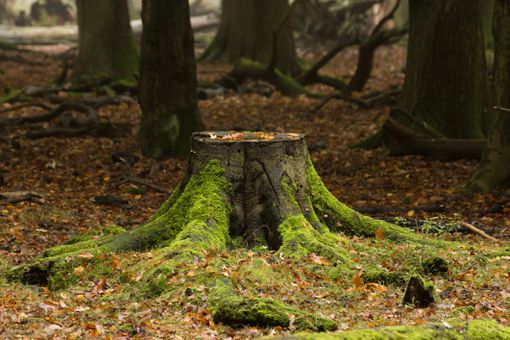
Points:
[245,137]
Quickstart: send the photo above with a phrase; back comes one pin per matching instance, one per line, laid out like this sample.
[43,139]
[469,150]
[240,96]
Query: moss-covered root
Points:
[473,330]
[246,69]
[229,308]
[300,239]
[193,221]
[340,218]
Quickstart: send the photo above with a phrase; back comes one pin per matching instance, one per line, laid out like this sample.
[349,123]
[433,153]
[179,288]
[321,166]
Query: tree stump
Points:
[249,189]
[256,165]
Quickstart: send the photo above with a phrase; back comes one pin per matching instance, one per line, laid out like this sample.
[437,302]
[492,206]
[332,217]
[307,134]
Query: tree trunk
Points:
[487,12]
[168,80]
[106,47]
[445,82]
[247,31]
[494,169]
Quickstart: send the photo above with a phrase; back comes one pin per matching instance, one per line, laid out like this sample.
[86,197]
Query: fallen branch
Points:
[20,196]
[479,232]
[54,113]
[22,106]
[139,181]
[111,200]
[499,108]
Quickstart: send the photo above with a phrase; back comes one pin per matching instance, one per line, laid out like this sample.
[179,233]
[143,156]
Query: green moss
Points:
[94,233]
[341,218]
[194,221]
[229,308]
[250,69]
[384,277]
[473,330]
[300,239]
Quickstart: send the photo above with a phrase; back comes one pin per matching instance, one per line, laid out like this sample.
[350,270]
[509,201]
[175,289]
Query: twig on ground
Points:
[479,232]
[139,181]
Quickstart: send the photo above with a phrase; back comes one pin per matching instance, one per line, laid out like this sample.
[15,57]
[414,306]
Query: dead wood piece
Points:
[54,113]
[22,106]
[139,181]
[111,200]
[499,108]
[14,197]
[479,232]
[59,132]
[419,293]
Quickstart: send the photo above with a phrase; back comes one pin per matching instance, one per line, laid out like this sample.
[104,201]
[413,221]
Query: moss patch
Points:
[475,329]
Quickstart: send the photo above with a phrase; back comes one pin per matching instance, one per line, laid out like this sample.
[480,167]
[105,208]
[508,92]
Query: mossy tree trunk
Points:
[168,80]
[106,46]
[247,31]
[446,81]
[494,169]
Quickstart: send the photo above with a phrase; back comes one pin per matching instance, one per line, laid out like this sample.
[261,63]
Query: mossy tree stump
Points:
[257,188]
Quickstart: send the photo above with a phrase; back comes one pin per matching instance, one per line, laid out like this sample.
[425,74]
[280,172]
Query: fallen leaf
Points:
[379,234]
[79,270]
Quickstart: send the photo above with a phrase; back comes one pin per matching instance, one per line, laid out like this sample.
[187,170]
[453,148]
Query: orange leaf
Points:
[379,234]
[79,270]
[357,280]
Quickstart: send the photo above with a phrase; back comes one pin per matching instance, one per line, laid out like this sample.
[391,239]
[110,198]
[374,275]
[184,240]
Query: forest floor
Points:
[70,173]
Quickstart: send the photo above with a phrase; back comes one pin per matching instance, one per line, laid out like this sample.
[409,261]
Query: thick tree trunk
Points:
[494,170]
[446,79]
[168,80]
[247,31]
[106,47]
[445,82]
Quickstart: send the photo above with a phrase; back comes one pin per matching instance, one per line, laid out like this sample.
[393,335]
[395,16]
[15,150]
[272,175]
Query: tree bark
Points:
[168,80]
[494,169]
[106,47]
[487,12]
[247,31]
[445,83]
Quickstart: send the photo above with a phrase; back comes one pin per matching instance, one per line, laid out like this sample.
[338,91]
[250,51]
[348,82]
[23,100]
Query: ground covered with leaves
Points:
[86,185]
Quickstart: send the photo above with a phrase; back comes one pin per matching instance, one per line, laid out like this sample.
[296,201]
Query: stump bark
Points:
[256,165]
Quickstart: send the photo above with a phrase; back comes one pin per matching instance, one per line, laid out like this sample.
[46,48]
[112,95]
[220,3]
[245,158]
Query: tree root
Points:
[70,126]
[247,69]
[229,308]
